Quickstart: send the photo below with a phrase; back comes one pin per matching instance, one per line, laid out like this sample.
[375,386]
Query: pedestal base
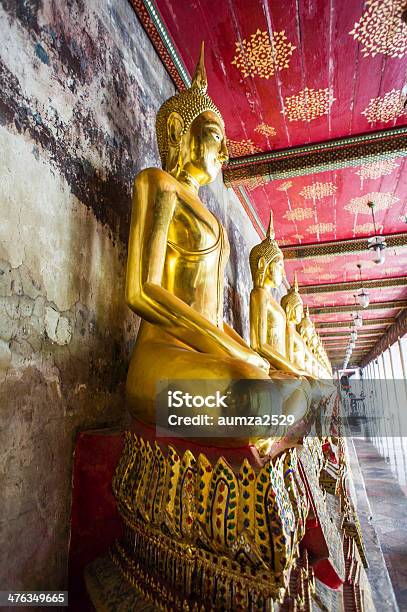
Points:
[110,592]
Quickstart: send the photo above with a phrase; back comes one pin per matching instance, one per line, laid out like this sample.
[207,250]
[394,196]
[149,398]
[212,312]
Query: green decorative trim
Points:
[166,39]
[317,147]
[309,159]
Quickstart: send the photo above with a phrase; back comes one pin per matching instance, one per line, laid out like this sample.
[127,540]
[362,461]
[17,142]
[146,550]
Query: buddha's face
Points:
[203,148]
[274,273]
[298,313]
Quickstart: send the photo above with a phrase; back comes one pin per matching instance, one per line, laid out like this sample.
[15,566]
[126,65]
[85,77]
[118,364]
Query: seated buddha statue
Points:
[307,332]
[294,310]
[267,318]
[177,255]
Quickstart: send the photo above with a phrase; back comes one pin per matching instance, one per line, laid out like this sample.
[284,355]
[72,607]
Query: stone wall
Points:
[79,88]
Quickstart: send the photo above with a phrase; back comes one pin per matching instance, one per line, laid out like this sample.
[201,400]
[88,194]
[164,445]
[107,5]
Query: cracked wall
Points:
[80,85]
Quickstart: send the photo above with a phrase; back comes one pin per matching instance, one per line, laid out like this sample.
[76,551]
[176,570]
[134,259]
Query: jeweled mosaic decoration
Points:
[308,104]
[259,55]
[265,129]
[382,201]
[385,108]
[240,148]
[317,191]
[381,29]
[377,169]
[298,214]
[320,228]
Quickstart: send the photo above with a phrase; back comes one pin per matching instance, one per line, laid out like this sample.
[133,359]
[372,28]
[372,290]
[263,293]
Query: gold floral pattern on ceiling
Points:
[320,228]
[298,214]
[382,201]
[367,228]
[308,104]
[385,108]
[259,55]
[381,29]
[317,191]
[326,277]
[313,270]
[265,129]
[377,169]
[240,148]
[285,186]
[255,181]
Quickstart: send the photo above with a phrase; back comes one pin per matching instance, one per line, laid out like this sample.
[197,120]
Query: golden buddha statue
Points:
[294,310]
[307,332]
[267,317]
[177,255]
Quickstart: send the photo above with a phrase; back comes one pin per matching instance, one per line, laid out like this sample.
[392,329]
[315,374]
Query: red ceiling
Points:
[327,56]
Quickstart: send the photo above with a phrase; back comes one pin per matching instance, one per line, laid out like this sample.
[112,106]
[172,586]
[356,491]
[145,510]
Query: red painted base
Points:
[95,522]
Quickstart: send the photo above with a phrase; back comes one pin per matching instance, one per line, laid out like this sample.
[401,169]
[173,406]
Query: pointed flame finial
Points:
[200,80]
[307,311]
[270,230]
[295,282]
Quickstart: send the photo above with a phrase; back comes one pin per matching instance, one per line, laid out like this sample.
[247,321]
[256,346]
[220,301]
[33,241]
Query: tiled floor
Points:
[388,502]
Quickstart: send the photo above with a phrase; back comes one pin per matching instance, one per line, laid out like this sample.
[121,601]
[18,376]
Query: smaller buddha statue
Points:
[306,330]
[267,318]
[294,310]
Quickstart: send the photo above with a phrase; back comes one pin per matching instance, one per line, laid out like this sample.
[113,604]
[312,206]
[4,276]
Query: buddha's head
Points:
[306,327]
[267,261]
[292,304]
[191,133]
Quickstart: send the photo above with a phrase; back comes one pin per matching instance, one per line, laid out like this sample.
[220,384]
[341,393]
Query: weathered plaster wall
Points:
[79,88]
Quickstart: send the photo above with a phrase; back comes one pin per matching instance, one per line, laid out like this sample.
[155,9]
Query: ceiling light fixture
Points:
[376,243]
[363,296]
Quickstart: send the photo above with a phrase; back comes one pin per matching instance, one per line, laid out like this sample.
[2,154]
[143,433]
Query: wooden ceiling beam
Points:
[316,310]
[339,247]
[326,325]
[377,283]
[318,157]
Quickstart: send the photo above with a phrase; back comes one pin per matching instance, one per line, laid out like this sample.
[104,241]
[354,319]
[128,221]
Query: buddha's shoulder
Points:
[155,177]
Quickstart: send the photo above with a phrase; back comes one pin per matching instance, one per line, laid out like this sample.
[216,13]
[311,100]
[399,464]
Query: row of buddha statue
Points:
[216,522]
[283,334]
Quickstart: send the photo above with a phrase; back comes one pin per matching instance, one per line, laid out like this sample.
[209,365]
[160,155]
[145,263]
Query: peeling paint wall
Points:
[80,85]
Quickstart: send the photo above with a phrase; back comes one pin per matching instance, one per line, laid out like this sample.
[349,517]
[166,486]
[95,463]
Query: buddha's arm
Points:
[258,334]
[233,334]
[153,207]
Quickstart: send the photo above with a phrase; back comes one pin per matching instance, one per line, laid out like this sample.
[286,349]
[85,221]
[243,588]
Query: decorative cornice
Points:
[396,331]
[152,22]
[333,324]
[339,247]
[363,333]
[378,283]
[318,157]
[316,310]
